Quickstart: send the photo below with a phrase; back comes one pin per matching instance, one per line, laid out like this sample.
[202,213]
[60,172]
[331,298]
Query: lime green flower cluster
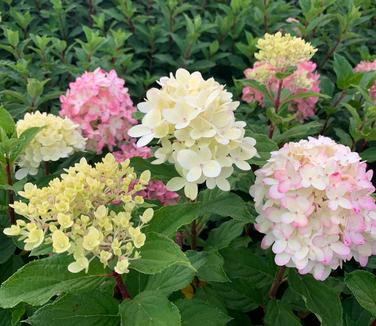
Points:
[74,214]
[283,51]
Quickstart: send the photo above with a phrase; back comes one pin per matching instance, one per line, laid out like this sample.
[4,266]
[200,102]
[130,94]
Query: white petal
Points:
[212,169]
[191,190]
[138,131]
[223,184]
[243,165]
[282,259]
[340,249]
[188,158]
[194,174]
[144,107]
[279,246]
[144,140]
[176,184]
[211,183]
[21,173]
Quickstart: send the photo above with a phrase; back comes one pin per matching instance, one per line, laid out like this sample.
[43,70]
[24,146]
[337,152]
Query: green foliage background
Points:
[45,44]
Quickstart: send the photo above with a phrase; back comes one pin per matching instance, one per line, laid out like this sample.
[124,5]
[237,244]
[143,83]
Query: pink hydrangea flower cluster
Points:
[304,79]
[156,190]
[367,66]
[100,104]
[129,150]
[315,206]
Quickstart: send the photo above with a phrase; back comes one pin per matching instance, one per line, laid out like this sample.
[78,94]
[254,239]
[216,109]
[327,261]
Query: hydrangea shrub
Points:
[187,163]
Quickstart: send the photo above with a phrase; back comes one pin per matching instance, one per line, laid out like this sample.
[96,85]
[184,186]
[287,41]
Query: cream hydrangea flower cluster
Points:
[194,120]
[282,51]
[73,214]
[315,206]
[58,138]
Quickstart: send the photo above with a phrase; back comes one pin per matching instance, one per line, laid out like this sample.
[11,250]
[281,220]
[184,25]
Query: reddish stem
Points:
[194,235]
[46,169]
[277,103]
[277,282]
[11,213]
[121,286]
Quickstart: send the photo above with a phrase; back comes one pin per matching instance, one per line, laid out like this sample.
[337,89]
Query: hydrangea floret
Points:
[57,138]
[101,105]
[315,206]
[75,214]
[193,120]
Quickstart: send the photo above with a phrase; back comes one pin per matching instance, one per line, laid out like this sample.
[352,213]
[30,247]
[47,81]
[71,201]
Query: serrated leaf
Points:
[38,281]
[7,122]
[163,172]
[170,280]
[363,285]
[277,314]
[199,312]
[369,155]
[167,220]
[226,204]
[159,253]
[222,236]
[212,270]
[319,298]
[264,146]
[82,308]
[299,132]
[149,308]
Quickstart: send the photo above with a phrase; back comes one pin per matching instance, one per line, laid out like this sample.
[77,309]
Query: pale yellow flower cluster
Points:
[74,214]
[283,51]
[57,138]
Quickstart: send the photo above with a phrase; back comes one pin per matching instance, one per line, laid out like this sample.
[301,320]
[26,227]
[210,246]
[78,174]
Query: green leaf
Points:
[222,236]
[277,314]
[5,317]
[38,281]
[81,308]
[171,279]
[299,132]
[238,295]
[293,97]
[243,263]
[149,308]
[212,270]
[167,220]
[363,285]
[264,146]
[319,298]
[7,248]
[369,155]
[354,314]
[223,203]
[159,253]
[163,172]
[23,140]
[7,122]
[199,312]
[343,71]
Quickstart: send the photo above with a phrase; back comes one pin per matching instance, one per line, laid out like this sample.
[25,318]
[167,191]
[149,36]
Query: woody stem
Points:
[121,286]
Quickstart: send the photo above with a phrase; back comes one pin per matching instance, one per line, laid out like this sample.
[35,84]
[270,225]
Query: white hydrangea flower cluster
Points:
[194,120]
[315,205]
[57,138]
